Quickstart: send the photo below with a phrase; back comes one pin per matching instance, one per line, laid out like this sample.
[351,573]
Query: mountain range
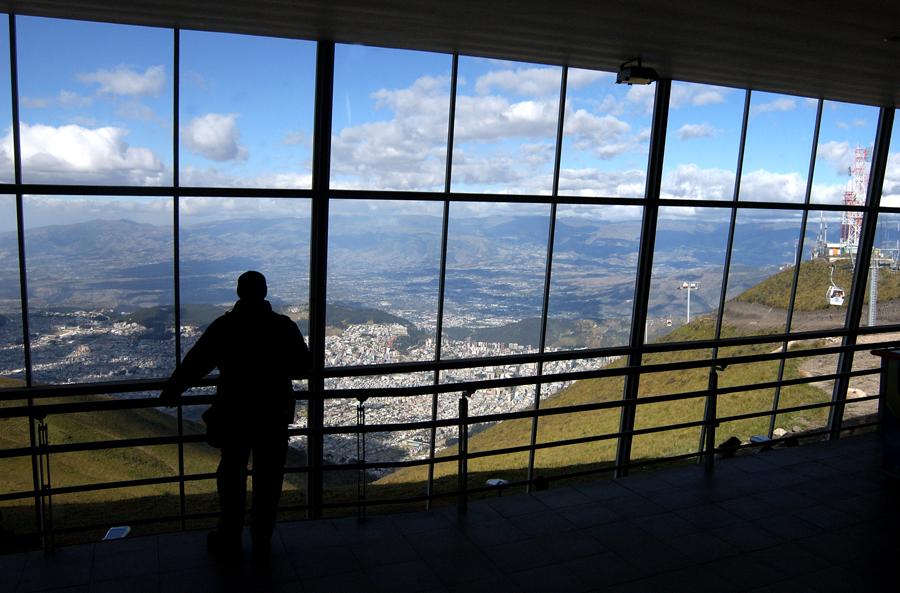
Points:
[494,264]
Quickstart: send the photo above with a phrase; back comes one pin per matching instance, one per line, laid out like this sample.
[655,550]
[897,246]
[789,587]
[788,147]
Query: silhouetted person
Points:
[257,352]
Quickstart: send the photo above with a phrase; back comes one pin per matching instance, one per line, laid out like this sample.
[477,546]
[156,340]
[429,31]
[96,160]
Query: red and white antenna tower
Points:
[855,195]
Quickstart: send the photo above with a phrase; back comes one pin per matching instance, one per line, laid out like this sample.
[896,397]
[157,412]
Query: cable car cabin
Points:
[835,296]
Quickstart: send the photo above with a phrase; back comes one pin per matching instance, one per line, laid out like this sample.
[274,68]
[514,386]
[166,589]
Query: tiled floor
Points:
[817,518]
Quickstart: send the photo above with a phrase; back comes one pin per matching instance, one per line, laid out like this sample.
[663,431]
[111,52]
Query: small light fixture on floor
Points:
[629,73]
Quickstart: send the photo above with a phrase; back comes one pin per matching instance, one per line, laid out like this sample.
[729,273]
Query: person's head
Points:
[252,286]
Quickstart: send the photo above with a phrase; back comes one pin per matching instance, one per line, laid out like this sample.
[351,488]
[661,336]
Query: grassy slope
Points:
[69,469]
[812,285]
[570,426]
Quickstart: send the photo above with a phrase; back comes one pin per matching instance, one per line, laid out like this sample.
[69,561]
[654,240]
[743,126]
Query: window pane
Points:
[890,194]
[687,272]
[223,237]
[391,110]
[682,441]
[606,136]
[778,146]
[883,283]
[100,287]
[765,241]
[505,132]
[592,281]
[704,133]
[844,153]
[383,272]
[12,353]
[100,110]
[825,277]
[246,110]
[495,278]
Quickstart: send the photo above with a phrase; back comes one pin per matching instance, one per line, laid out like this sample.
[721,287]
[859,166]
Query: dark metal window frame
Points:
[320,195]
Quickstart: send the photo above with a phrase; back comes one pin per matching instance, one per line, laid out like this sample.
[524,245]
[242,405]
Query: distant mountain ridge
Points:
[129,265]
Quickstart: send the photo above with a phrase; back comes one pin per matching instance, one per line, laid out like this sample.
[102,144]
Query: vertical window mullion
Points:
[23,276]
[798,258]
[176,257]
[644,270]
[442,274]
[318,269]
[551,237]
[860,273]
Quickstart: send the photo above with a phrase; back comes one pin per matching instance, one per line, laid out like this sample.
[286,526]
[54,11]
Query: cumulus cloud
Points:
[123,80]
[642,95]
[213,177]
[891,190]
[299,137]
[498,141]
[214,136]
[34,102]
[537,82]
[696,95]
[838,154]
[762,185]
[71,99]
[690,182]
[406,152]
[595,182]
[782,104]
[74,153]
[690,131]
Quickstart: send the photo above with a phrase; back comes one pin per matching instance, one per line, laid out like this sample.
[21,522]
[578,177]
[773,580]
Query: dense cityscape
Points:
[97,345]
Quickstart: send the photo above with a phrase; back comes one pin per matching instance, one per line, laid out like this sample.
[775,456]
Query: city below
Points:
[83,346]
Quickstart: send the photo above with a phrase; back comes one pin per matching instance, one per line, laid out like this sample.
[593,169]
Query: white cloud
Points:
[606,136]
[212,177]
[838,154]
[537,82]
[782,104]
[34,102]
[642,95]
[690,131]
[690,182]
[595,182]
[762,185]
[891,189]
[123,80]
[214,136]
[71,99]
[493,118]
[578,79]
[73,153]
[697,95]
[299,137]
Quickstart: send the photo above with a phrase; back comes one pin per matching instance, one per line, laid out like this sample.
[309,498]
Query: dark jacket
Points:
[258,352]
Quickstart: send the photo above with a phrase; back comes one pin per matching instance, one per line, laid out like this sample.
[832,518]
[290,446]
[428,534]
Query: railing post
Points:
[48,541]
[709,418]
[462,475]
[361,460]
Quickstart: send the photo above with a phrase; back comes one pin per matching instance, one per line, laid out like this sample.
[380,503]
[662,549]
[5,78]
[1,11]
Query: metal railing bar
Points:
[107,405]
[112,387]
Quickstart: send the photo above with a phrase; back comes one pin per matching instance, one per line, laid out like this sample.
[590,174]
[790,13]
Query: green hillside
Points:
[71,469]
[591,455]
[812,284]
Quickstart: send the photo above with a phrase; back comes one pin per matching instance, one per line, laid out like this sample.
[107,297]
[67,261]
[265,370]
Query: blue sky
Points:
[96,105]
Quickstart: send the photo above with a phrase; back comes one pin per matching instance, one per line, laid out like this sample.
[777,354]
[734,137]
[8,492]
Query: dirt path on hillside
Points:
[755,317]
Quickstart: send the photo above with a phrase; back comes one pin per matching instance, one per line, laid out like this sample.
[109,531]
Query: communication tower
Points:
[855,195]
